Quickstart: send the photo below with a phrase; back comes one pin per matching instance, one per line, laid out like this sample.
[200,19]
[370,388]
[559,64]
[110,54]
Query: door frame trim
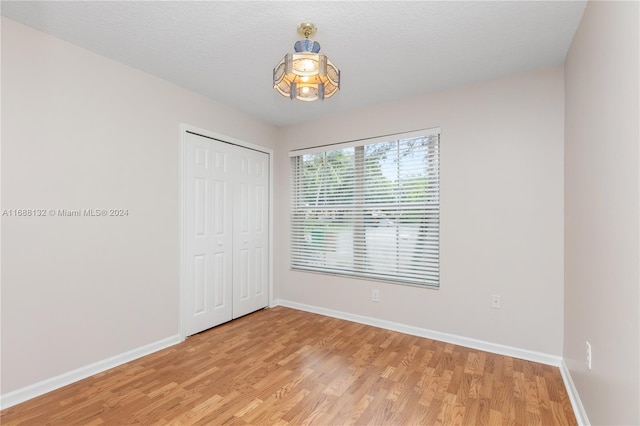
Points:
[187,128]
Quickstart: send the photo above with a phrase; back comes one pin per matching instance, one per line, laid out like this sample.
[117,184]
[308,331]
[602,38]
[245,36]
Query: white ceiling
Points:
[386,50]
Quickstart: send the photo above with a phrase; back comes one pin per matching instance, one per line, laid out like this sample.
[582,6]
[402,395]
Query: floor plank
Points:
[282,366]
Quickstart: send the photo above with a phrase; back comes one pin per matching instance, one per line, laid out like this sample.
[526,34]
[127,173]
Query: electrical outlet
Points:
[588,356]
[375,295]
[495,301]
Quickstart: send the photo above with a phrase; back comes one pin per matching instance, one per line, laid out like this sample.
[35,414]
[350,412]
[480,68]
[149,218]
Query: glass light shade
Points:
[306,75]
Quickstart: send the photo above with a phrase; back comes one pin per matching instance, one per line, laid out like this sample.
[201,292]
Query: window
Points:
[368,209]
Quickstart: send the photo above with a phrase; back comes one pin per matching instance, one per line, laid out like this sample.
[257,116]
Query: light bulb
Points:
[308,65]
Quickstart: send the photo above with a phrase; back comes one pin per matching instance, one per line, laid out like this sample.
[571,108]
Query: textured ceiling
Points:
[386,50]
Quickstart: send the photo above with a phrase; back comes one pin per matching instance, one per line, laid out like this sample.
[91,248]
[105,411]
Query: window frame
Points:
[427,230]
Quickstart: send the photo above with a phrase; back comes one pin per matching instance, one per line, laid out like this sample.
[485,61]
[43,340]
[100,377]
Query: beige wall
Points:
[82,131]
[501,213]
[602,244]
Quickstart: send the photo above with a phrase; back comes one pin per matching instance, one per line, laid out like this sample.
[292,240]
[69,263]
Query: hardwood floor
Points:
[281,366]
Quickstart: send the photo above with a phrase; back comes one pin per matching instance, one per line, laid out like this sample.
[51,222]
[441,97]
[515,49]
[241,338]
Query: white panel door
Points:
[226,232]
[209,236]
[251,232]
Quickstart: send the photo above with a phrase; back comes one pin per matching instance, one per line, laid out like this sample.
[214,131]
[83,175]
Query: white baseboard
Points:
[20,395]
[482,345]
[28,392]
[576,403]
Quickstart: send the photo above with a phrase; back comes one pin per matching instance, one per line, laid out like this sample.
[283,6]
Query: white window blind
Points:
[369,209]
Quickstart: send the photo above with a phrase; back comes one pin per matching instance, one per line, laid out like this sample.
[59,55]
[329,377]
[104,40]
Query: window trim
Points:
[365,141]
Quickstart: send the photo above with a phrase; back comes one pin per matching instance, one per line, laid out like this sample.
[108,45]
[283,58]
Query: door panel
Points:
[251,233]
[199,286]
[226,232]
[208,242]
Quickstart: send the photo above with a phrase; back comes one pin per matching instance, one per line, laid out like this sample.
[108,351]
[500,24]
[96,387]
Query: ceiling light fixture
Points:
[306,75]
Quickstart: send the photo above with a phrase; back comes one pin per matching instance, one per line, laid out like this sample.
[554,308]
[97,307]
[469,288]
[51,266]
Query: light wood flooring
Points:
[282,366]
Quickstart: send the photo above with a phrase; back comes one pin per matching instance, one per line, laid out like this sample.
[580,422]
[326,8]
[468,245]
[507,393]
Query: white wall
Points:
[82,131]
[602,242]
[501,213]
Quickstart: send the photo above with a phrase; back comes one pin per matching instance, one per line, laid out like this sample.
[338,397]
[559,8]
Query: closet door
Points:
[226,232]
[209,233]
[250,232]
